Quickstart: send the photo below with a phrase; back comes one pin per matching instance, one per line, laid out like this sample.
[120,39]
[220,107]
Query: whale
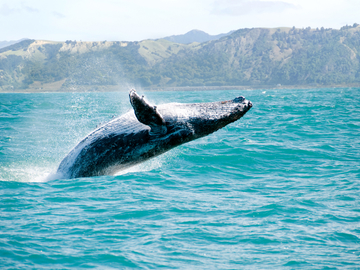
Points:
[147,131]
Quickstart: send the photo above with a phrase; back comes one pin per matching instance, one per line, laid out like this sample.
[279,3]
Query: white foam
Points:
[53,176]
[27,174]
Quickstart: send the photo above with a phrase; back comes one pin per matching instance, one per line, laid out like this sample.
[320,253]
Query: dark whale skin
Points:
[145,132]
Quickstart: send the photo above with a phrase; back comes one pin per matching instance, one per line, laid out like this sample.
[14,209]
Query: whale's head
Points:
[205,118]
[213,116]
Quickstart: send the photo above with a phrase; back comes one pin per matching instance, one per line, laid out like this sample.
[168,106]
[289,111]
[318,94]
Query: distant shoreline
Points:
[116,88]
[249,58]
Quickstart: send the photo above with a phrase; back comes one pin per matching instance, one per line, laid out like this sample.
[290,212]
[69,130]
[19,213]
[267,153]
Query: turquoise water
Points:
[277,189]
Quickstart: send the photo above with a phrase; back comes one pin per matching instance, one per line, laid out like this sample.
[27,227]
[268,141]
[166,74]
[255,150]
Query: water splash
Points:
[28,174]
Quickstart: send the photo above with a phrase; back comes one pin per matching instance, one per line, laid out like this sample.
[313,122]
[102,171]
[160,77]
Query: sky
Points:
[135,20]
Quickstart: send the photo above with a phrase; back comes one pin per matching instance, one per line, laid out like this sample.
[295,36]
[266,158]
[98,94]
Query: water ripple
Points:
[277,189]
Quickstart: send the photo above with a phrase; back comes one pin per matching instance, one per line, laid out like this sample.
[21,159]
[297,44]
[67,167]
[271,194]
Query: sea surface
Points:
[278,189]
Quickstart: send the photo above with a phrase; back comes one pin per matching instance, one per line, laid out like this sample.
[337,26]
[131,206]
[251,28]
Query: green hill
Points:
[248,57]
[195,36]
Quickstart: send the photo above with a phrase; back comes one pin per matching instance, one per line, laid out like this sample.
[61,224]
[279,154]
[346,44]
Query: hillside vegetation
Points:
[248,57]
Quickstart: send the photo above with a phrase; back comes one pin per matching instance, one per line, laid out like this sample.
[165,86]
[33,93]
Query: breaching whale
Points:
[147,131]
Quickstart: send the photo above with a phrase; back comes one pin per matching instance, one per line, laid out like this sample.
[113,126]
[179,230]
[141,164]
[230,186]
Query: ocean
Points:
[277,189]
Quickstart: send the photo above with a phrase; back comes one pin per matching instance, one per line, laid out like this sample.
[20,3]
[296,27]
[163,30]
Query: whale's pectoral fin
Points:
[147,114]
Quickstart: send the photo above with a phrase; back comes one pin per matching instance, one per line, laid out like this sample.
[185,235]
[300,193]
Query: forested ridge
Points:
[247,57]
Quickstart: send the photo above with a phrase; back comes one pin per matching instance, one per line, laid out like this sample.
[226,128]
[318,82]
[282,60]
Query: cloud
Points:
[59,15]
[244,7]
[30,9]
[6,10]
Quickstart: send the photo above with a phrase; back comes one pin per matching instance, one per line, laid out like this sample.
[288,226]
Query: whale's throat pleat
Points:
[147,114]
